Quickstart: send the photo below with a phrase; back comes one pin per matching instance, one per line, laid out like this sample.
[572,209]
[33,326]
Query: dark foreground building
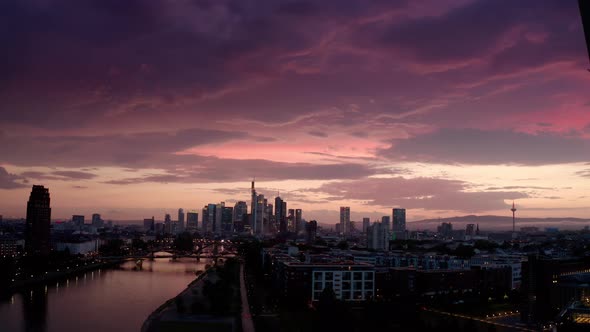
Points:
[585,11]
[544,286]
[37,236]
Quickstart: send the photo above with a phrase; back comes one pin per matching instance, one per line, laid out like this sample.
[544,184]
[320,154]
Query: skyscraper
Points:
[192,220]
[298,223]
[218,221]
[399,223]
[291,220]
[181,220]
[445,229]
[345,220]
[254,210]
[78,220]
[97,221]
[377,237]
[167,224]
[226,220]
[366,224]
[281,214]
[386,220]
[311,229]
[260,214]
[208,218]
[149,224]
[470,230]
[37,228]
[240,216]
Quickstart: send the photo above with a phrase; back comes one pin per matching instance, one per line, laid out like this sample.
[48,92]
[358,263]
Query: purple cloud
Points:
[10,181]
[59,175]
[212,169]
[419,193]
[472,146]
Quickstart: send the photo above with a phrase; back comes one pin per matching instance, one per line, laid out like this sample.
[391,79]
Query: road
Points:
[247,324]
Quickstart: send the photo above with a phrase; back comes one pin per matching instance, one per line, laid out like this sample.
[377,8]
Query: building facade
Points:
[345,220]
[37,227]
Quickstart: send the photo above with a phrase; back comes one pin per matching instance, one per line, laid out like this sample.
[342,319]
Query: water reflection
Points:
[103,300]
[34,308]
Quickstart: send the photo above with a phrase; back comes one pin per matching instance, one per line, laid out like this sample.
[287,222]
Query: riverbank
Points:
[209,303]
[18,285]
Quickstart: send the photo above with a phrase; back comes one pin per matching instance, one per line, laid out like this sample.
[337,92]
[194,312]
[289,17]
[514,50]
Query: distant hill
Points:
[501,222]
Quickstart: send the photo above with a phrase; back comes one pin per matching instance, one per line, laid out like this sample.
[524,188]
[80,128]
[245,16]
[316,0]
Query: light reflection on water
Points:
[104,300]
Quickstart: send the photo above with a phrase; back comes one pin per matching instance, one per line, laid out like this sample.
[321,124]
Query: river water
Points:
[106,300]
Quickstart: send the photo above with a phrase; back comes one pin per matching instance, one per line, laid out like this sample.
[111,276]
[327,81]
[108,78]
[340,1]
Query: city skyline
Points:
[368,105]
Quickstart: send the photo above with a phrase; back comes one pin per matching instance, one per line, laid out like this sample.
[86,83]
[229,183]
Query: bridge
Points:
[198,253]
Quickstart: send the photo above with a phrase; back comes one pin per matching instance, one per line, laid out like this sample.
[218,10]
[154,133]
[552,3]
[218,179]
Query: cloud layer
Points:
[372,103]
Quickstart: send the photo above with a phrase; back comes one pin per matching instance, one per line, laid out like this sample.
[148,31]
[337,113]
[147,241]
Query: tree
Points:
[184,242]
[113,247]
[320,242]
[138,244]
[464,251]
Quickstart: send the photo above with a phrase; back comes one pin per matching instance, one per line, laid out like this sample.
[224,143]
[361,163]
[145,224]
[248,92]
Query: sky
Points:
[444,107]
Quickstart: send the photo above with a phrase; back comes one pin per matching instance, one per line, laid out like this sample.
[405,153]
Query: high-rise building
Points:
[445,229]
[218,221]
[167,224]
[149,224]
[399,220]
[269,223]
[204,216]
[345,220]
[399,224]
[192,220]
[281,214]
[226,220]
[311,229]
[366,224]
[209,218]
[470,230]
[240,215]
[181,219]
[291,226]
[97,220]
[386,221]
[260,214]
[37,227]
[254,210]
[78,220]
[298,223]
[377,237]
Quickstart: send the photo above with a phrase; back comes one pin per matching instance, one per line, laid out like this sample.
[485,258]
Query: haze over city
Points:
[367,104]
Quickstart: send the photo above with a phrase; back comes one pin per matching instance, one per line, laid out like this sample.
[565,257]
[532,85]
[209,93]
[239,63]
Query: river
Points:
[106,300]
